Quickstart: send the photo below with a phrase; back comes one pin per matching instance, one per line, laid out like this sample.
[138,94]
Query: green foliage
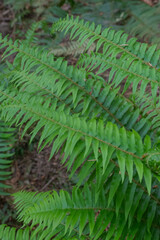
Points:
[111,139]
[17,4]
[7,140]
[6,213]
[72,48]
[6,154]
[143,21]
[134,16]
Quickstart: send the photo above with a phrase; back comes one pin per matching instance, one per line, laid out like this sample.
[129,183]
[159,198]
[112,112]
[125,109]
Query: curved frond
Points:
[80,92]
[71,79]
[134,73]
[30,36]
[108,97]
[12,233]
[83,211]
[113,42]
[99,138]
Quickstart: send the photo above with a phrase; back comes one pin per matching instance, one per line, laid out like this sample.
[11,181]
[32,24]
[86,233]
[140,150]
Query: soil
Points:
[6,16]
[33,172]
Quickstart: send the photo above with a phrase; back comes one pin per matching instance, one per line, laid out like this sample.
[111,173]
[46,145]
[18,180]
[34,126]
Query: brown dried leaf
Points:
[150,2]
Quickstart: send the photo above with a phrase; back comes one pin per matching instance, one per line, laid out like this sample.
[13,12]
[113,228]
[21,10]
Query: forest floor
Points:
[33,172]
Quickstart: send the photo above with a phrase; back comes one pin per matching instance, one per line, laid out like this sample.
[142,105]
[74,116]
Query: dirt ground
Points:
[5,17]
[33,172]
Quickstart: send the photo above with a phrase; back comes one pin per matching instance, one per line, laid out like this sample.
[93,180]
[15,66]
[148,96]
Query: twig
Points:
[46,185]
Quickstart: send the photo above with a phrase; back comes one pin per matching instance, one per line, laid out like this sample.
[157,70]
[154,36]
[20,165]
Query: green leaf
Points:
[95,146]
[88,142]
[129,167]
[148,178]
[120,194]
[142,208]
[129,199]
[139,167]
[114,186]
[83,220]
[151,214]
[121,162]
[147,143]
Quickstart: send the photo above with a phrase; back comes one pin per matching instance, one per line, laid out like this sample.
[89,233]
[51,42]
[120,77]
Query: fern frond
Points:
[12,233]
[150,109]
[30,37]
[72,48]
[47,67]
[78,91]
[120,71]
[27,233]
[73,84]
[35,84]
[132,72]
[123,64]
[113,42]
[83,211]
[55,124]
[118,105]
